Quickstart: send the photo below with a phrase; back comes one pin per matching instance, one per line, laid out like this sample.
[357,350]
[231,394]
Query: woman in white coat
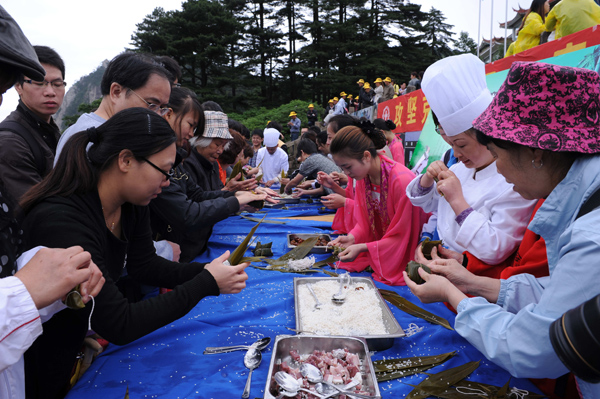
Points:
[477,210]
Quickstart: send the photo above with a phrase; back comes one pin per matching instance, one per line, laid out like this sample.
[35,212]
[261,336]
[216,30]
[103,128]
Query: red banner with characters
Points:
[408,112]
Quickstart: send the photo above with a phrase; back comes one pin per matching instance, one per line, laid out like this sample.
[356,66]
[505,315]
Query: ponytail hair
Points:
[353,141]
[139,130]
[384,124]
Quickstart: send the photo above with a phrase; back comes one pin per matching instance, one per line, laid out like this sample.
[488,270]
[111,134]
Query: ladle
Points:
[291,386]
[260,344]
[314,375]
[340,297]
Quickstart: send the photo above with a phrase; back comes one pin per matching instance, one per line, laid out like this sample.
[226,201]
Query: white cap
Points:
[271,137]
[456,91]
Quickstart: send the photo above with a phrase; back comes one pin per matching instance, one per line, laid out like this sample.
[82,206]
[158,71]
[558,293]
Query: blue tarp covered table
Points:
[169,363]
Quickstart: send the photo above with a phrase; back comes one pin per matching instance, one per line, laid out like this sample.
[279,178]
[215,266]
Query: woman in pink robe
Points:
[386,225]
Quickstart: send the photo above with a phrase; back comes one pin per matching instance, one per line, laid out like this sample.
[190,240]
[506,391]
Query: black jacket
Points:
[202,172]
[184,213]
[61,222]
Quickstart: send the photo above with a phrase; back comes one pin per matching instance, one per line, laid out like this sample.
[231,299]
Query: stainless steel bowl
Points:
[375,342]
[306,344]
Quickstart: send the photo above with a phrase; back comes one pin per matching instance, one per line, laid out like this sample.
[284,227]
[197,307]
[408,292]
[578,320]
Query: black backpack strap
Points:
[36,150]
[590,204]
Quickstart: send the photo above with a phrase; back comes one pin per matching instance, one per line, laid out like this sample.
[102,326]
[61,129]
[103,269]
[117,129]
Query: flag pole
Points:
[491,30]
[505,24]
[479,29]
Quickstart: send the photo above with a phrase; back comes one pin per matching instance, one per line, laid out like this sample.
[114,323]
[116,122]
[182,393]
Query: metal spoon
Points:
[318,303]
[290,386]
[251,361]
[260,344]
[340,297]
[314,375]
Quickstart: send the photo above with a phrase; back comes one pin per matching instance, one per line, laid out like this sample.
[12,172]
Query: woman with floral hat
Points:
[477,210]
[543,130]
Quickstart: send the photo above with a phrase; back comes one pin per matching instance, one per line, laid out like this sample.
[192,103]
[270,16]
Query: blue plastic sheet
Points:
[169,363]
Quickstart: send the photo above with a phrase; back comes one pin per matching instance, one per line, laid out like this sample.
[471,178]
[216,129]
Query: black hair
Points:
[353,141]
[436,121]
[46,55]
[139,130]
[258,132]
[311,135]
[232,148]
[384,124]
[182,101]
[306,145]
[171,66]
[315,129]
[235,125]
[322,137]
[131,70]
[248,151]
[212,106]
[340,121]
[275,125]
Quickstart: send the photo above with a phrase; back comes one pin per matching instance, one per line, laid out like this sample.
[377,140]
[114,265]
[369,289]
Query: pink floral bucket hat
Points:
[545,106]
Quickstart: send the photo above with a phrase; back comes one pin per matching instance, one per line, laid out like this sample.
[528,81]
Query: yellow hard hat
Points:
[378,80]
[311,106]
[342,94]
[349,96]
[330,101]
[361,81]
[293,113]
[367,86]
[388,79]
[336,99]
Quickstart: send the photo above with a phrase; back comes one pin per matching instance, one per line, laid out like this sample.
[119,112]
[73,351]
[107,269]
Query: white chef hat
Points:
[271,137]
[456,90]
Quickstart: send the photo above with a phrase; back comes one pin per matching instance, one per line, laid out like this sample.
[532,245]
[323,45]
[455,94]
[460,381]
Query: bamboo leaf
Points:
[269,221]
[381,366]
[298,252]
[427,245]
[237,170]
[252,259]
[437,383]
[73,299]
[282,186]
[259,178]
[331,259]
[237,255]
[285,270]
[412,309]
[394,375]
[476,389]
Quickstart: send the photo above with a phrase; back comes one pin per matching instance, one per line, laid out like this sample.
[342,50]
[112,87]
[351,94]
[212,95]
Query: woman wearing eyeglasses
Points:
[99,201]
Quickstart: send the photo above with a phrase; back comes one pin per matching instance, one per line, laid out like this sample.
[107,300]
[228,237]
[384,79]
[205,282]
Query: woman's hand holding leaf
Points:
[230,279]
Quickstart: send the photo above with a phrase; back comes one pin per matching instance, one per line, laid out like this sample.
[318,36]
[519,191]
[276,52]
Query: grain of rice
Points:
[359,315]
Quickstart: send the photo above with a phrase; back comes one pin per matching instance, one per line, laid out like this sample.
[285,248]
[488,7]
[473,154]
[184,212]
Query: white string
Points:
[91,313]
[474,391]
[518,393]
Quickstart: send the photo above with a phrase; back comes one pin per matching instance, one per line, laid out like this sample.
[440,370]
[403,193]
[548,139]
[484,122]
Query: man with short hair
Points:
[294,125]
[388,90]
[130,80]
[28,136]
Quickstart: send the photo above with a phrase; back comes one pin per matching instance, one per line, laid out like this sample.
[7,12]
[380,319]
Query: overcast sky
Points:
[85,33]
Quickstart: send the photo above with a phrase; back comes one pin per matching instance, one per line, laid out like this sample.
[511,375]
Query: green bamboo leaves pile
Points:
[298,252]
[438,383]
[236,256]
[391,369]
[413,309]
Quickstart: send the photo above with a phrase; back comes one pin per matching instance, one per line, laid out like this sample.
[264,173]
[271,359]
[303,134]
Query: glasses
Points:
[168,174]
[57,84]
[152,107]
[440,130]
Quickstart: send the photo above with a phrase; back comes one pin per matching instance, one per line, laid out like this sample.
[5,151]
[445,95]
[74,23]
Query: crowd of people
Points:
[541,24]
[125,199]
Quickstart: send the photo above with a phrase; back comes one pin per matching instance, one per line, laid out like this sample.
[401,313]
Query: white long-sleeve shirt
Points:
[272,165]
[499,219]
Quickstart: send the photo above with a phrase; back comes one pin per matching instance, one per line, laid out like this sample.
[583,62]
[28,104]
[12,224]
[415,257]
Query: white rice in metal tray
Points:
[360,315]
